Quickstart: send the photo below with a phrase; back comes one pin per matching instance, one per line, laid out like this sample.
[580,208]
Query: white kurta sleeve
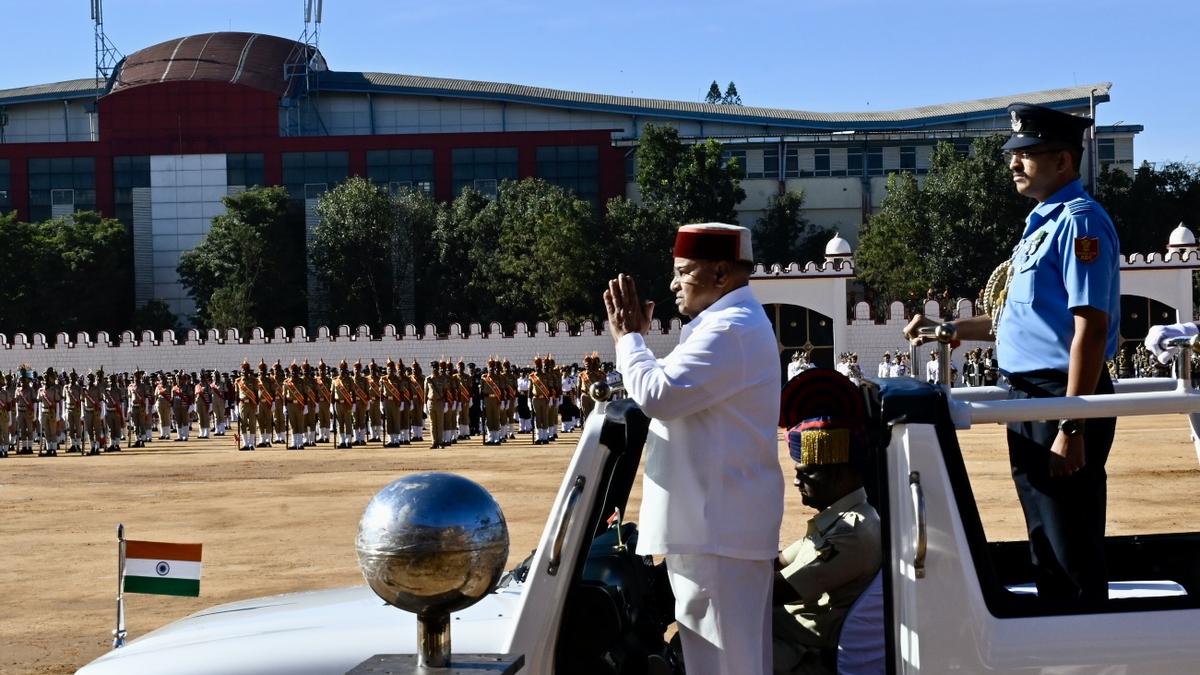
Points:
[704,369]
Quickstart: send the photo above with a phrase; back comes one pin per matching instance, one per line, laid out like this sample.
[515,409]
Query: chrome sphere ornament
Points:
[945,333]
[600,391]
[432,543]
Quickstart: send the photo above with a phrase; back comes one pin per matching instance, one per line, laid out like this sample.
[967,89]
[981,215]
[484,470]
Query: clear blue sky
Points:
[821,55]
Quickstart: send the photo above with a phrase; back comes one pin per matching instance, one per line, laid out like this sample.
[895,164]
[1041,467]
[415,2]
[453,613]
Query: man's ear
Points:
[721,271]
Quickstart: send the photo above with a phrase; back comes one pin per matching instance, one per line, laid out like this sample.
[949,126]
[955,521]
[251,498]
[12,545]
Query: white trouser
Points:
[723,610]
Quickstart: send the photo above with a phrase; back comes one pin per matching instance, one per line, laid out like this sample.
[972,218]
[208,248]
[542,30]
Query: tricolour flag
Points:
[163,569]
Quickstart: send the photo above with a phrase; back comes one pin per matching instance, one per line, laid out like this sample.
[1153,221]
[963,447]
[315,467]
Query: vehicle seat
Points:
[861,648]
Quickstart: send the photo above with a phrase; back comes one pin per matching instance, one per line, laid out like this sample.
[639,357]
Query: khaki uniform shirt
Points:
[829,568]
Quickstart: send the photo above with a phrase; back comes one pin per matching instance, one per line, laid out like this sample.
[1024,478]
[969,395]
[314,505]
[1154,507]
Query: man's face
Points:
[1039,171]
[697,284]
[817,484]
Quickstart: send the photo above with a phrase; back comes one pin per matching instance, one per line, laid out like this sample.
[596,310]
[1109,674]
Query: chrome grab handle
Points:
[918,495]
[564,520]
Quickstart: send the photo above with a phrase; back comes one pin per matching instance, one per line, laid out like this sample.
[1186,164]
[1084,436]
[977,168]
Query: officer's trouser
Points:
[541,413]
[437,419]
[202,417]
[74,425]
[164,419]
[219,413]
[92,426]
[448,425]
[391,419]
[345,422]
[138,417]
[114,429]
[183,424]
[373,416]
[360,415]
[266,421]
[585,405]
[405,416]
[491,410]
[5,430]
[323,415]
[25,425]
[295,413]
[280,417]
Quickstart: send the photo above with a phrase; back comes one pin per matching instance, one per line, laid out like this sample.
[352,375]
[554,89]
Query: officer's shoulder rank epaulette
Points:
[1080,207]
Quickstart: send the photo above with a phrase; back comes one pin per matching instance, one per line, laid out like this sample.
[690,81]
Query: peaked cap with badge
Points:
[1035,124]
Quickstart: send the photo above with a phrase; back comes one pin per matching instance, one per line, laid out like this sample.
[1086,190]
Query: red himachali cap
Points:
[713,241]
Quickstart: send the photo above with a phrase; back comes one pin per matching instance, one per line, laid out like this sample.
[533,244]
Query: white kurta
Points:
[713,482]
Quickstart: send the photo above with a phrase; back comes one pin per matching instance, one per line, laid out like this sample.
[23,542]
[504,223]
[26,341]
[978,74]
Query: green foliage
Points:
[731,96]
[950,232]
[1147,206]
[232,306]
[714,93]
[687,183]
[252,247]
[64,275]
[354,253]
[155,316]
[782,235]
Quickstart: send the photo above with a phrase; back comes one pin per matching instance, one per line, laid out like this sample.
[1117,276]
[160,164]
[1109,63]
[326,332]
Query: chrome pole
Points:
[119,631]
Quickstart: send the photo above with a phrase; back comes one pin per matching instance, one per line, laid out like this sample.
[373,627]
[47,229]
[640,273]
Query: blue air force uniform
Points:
[1068,258]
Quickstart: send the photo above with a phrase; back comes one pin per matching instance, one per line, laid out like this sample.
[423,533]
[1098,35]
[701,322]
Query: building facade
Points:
[184,123]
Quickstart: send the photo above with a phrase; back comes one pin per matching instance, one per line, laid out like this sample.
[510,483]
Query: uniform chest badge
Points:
[1016,122]
[1087,249]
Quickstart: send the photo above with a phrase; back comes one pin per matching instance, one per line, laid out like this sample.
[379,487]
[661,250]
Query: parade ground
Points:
[274,521]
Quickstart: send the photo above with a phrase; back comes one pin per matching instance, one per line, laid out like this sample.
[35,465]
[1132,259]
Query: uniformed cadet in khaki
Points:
[294,400]
[217,391]
[416,411]
[403,381]
[309,379]
[540,395]
[391,398]
[137,410]
[375,401]
[343,406]
[361,400]
[324,402]
[202,394]
[73,401]
[93,423]
[247,397]
[435,407]
[6,407]
[181,405]
[26,405]
[266,406]
[510,376]
[491,389]
[114,414]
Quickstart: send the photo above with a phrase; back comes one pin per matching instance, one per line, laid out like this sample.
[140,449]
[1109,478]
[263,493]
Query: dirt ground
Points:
[274,521]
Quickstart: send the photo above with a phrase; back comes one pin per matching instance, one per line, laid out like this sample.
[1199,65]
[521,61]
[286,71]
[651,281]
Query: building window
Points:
[962,146]
[401,169]
[302,169]
[821,162]
[575,168]
[128,173]
[908,158]
[791,163]
[854,161]
[245,169]
[874,161]
[471,164]
[1106,152]
[5,186]
[729,156]
[631,166]
[770,165]
[488,187]
[77,175]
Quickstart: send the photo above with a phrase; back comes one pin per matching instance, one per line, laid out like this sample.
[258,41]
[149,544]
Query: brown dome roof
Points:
[249,59]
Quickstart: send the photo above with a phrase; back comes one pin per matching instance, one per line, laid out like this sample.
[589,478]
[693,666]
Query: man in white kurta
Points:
[712,498]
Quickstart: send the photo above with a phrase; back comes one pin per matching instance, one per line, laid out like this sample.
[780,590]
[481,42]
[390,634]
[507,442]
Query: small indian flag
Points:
[163,569]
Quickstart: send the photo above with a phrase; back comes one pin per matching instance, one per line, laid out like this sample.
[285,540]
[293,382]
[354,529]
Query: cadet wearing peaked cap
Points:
[1053,309]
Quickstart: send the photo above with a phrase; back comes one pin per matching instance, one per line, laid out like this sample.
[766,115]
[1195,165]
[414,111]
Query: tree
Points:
[714,93]
[87,251]
[20,270]
[1147,206]
[232,306]
[249,246]
[687,183]
[949,233]
[417,265]
[353,253]
[154,316]
[782,235]
[731,96]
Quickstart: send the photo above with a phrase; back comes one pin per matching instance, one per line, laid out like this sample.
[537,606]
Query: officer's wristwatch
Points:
[1071,427]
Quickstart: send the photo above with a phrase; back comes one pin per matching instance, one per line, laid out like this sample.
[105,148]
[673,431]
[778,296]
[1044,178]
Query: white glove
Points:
[1159,334]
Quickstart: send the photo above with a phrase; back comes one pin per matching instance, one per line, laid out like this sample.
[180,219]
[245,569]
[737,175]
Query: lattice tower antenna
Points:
[304,61]
[107,54]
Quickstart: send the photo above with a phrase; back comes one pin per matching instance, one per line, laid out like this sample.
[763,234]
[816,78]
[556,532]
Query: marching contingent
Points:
[298,405]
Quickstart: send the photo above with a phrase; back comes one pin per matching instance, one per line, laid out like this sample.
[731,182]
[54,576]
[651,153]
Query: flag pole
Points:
[119,631]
